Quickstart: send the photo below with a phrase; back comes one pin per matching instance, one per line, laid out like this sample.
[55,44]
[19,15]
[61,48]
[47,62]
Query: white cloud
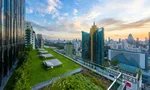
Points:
[49,7]
[125,10]
[75,11]
[29,10]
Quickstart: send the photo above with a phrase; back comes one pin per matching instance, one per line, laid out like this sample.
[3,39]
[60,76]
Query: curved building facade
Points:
[12,13]
[98,46]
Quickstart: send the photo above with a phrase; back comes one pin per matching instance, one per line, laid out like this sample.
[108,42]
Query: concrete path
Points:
[45,83]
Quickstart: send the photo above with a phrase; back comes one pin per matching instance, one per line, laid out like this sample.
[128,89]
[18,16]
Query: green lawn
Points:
[40,74]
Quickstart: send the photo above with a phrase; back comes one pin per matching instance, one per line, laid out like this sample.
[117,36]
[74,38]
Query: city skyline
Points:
[66,19]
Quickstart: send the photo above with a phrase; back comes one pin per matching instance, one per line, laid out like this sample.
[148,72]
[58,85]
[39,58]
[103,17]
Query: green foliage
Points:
[74,82]
[22,56]
[20,77]
[114,62]
[139,74]
[105,64]
[98,82]
[29,48]
[96,79]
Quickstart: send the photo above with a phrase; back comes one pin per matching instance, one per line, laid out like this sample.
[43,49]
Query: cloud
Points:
[68,27]
[126,16]
[29,11]
[75,11]
[134,25]
[108,21]
[46,7]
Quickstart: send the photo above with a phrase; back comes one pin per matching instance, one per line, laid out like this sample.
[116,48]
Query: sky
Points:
[65,19]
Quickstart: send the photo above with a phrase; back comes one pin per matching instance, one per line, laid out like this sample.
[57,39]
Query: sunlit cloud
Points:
[69,19]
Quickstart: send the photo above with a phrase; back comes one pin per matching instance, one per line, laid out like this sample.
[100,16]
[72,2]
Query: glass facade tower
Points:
[85,46]
[93,45]
[98,46]
[12,14]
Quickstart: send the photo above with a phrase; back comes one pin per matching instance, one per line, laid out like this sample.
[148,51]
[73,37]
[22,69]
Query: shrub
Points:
[114,62]
[74,82]
[20,77]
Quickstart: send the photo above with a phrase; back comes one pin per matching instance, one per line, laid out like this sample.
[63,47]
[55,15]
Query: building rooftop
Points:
[146,72]
[128,68]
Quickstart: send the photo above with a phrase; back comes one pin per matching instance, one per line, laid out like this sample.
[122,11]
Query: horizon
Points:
[56,19]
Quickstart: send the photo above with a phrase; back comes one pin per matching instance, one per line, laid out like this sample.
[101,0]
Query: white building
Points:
[29,35]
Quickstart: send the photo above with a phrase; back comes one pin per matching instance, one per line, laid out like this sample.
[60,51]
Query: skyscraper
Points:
[12,14]
[98,46]
[149,42]
[40,41]
[68,49]
[93,45]
[29,35]
[85,46]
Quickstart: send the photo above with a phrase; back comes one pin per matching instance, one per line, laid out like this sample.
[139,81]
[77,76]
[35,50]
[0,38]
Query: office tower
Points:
[68,49]
[109,39]
[29,35]
[98,46]
[12,13]
[93,45]
[119,40]
[130,39]
[85,46]
[40,41]
[149,42]
[137,43]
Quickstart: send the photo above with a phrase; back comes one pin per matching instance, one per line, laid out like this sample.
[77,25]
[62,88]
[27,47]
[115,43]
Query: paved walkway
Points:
[45,83]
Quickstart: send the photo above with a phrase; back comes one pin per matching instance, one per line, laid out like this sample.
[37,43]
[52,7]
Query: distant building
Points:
[76,47]
[119,40]
[130,39]
[29,35]
[131,60]
[93,45]
[149,42]
[68,48]
[40,41]
[139,60]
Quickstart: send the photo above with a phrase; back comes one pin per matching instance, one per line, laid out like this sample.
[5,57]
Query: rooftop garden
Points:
[86,80]
[40,74]
[32,71]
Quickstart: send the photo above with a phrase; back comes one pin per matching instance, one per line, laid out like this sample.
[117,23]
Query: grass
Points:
[40,74]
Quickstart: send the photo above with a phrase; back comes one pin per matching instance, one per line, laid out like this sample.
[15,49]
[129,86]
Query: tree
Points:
[114,62]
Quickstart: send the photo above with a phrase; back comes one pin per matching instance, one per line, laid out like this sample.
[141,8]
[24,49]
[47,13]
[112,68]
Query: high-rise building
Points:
[29,35]
[68,49]
[93,45]
[98,46]
[131,39]
[12,13]
[40,41]
[119,40]
[149,42]
[85,46]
